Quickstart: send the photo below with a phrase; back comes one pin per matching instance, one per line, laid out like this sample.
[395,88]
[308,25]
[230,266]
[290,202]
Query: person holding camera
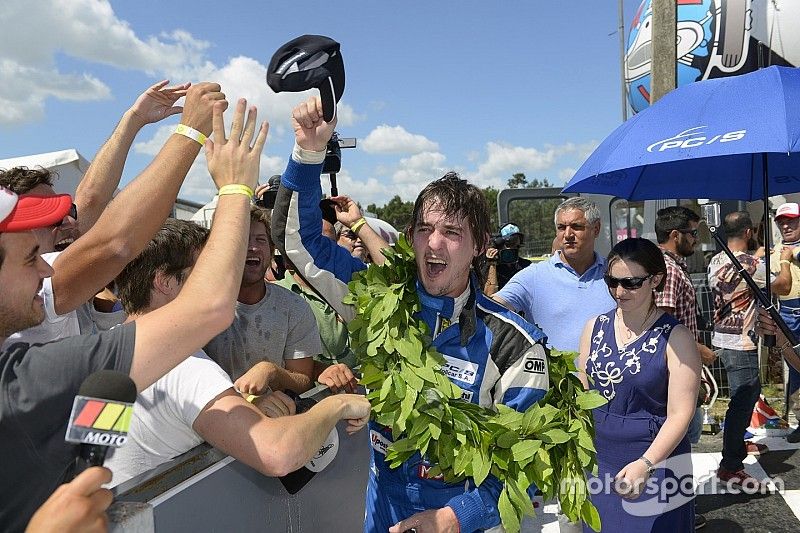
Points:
[503,259]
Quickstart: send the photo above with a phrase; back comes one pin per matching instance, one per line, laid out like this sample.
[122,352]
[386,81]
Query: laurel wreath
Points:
[549,445]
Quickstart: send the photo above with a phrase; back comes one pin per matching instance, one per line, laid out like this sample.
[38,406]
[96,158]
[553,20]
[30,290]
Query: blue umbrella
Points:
[711,139]
[734,138]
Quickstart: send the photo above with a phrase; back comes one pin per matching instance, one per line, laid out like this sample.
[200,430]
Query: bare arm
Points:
[102,177]
[298,374]
[782,285]
[683,364]
[492,286]
[275,446]
[130,220]
[205,305]
[348,213]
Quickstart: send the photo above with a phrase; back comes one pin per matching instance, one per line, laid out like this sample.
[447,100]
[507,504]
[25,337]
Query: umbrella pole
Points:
[762,297]
[769,340]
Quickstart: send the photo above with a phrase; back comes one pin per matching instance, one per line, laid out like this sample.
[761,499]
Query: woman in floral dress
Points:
[644,362]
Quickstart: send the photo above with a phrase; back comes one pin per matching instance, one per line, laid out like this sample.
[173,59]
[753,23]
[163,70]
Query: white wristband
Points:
[192,133]
[307,157]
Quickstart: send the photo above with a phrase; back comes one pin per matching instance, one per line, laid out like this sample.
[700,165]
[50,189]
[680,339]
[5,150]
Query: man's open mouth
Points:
[61,245]
[435,266]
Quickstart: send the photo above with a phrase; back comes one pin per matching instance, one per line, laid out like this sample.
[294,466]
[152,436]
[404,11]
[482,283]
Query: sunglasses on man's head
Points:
[73,212]
[692,232]
[350,234]
[630,284]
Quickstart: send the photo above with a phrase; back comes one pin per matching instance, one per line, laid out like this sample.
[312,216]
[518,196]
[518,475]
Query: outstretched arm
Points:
[102,177]
[276,446]
[297,219]
[205,305]
[136,214]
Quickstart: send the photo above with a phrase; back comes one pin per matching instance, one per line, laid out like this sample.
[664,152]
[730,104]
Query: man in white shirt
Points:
[196,401]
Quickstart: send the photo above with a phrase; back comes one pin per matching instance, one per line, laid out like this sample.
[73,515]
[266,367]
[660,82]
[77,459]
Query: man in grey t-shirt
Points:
[274,337]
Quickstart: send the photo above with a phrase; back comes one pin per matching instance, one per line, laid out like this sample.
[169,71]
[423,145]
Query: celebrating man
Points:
[485,345]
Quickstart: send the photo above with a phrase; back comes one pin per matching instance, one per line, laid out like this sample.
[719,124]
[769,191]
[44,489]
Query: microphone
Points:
[101,415]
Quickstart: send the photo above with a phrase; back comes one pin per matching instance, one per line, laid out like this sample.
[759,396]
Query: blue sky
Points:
[485,88]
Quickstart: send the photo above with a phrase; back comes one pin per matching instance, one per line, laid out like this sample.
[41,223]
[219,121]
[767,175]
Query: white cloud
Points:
[503,160]
[396,140]
[75,28]
[89,30]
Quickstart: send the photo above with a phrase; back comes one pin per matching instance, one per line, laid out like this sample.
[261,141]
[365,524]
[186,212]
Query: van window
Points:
[534,216]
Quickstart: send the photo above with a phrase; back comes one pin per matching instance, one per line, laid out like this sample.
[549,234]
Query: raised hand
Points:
[311,132]
[199,106]
[347,211]
[234,160]
[157,102]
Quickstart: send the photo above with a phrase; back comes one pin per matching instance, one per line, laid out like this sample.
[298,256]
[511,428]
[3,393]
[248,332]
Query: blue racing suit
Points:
[491,353]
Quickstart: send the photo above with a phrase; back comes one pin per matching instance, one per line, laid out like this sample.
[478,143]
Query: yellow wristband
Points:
[192,133]
[357,225]
[235,188]
[784,262]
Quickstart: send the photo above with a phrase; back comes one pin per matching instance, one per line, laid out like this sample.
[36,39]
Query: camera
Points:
[512,241]
[333,155]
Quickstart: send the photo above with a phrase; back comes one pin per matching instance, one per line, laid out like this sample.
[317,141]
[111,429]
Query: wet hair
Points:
[673,218]
[171,251]
[261,215]
[737,223]
[23,179]
[590,210]
[456,198]
[644,253]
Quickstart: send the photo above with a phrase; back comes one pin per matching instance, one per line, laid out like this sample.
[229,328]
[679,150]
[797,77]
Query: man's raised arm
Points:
[102,177]
[205,305]
[132,219]
[297,219]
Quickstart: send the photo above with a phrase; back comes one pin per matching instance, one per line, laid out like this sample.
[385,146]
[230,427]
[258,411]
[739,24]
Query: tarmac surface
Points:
[775,511]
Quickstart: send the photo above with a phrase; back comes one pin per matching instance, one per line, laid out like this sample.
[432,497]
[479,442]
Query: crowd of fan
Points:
[219,335]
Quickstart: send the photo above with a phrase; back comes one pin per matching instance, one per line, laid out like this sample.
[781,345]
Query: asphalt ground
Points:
[778,511]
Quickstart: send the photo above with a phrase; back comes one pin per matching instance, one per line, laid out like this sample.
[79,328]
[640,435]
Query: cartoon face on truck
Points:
[713,40]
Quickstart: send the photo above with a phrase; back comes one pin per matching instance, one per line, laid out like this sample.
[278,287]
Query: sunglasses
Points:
[73,212]
[630,284]
[350,234]
[692,232]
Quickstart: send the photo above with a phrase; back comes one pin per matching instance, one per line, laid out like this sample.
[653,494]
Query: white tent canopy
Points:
[68,164]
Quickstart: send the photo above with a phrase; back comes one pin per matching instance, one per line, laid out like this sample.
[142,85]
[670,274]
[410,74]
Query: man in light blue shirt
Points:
[561,294]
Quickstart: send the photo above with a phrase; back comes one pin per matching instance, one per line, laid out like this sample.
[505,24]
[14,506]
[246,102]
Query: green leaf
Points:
[590,400]
[524,450]
[555,436]
[590,515]
[386,388]
[481,464]
[508,513]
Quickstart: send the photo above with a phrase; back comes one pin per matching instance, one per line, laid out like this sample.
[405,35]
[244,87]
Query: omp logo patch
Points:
[379,443]
[460,370]
[534,365]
